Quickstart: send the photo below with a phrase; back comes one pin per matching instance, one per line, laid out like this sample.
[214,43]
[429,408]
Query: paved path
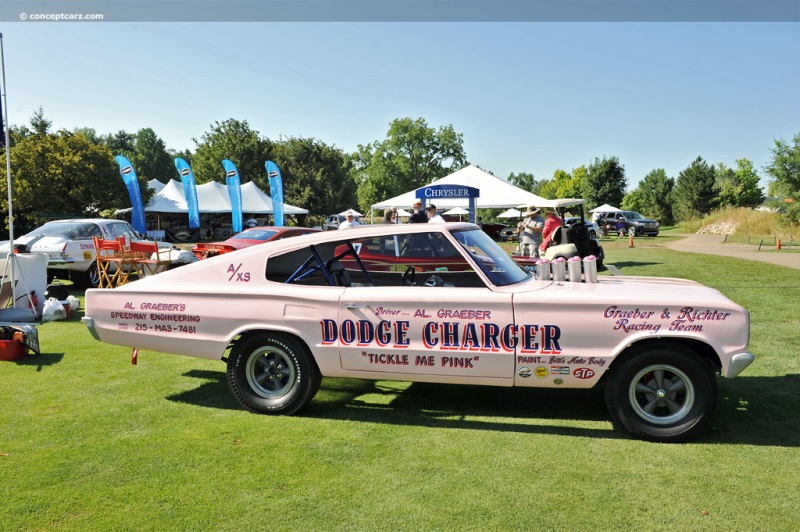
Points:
[712,245]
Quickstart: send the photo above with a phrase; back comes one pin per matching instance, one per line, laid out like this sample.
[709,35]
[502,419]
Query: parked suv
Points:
[332,222]
[635,223]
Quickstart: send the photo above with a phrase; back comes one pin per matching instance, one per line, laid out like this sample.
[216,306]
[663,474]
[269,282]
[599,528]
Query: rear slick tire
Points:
[662,393]
[272,373]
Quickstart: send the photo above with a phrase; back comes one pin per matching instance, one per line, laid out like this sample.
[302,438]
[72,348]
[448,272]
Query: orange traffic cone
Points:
[778,244]
[630,243]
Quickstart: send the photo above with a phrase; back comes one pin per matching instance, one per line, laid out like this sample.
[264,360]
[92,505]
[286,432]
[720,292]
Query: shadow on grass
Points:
[45,359]
[752,410]
[631,264]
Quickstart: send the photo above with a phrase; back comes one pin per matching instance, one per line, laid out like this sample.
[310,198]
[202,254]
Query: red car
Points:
[247,238]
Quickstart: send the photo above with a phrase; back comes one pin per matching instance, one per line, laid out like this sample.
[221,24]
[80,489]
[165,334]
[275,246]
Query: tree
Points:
[695,191]
[562,185]
[120,143]
[522,180]
[315,176]
[150,158]
[232,139]
[738,188]
[784,168]
[63,174]
[653,197]
[412,155]
[39,124]
[605,182]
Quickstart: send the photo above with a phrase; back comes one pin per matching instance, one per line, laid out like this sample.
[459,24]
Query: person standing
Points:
[395,218]
[551,223]
[418,217]
[531,228]
[350,221]
[389,216]
[433,216]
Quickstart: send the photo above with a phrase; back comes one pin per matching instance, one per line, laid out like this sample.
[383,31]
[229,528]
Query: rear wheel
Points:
[662,393]
[272,373]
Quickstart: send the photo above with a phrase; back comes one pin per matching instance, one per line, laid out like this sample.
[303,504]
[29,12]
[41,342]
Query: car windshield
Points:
[491,258]
[68,230]
[630,215]
[255,234]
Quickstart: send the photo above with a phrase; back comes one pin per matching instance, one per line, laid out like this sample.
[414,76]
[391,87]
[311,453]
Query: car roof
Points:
[364,231]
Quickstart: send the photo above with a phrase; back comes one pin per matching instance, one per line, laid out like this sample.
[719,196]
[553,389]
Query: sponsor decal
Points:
[524,372]
[541,372]
[687,319]
[127,170]
[448,335]
[558,382]
[230,173]
[273,174]
[559,370]
[583,373]
[185,172]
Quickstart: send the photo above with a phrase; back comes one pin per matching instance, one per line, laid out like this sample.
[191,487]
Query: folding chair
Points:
[113,267]
[147,258]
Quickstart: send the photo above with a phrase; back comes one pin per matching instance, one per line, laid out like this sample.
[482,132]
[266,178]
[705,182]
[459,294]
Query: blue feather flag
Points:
[132,182]
[275,191]
[190,191]
[235,193]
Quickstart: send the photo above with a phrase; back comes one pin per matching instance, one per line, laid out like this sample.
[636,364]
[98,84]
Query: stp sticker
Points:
[542,372]
[583,373]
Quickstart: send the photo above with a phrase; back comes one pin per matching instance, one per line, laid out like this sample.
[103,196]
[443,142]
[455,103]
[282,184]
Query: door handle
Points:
[356,307]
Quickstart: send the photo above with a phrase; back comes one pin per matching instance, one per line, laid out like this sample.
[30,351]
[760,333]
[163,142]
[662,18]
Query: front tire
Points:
[88,279]
[662,393]
[272,373]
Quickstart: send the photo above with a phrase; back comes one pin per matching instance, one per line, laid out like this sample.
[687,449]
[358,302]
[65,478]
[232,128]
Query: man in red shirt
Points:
[551,223]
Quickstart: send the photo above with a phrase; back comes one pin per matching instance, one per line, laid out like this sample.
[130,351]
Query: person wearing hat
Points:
[531,228]
[433,216]
[418,217]
[551,223]
[350,221]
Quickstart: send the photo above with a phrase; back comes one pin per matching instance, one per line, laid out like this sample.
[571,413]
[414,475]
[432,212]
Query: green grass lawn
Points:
[91,442]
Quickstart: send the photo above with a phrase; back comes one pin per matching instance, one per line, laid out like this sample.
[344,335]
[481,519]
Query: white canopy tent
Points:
[510,213]
[496,193]
[605,207]
[213,197]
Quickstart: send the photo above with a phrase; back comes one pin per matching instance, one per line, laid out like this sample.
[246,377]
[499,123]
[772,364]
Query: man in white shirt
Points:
[433,216]
[350,222]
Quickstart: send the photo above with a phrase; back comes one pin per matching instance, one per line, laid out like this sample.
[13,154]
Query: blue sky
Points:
[527,97]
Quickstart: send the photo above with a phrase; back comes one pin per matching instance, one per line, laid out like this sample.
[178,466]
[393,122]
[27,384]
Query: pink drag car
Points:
[295,310]
[247,238]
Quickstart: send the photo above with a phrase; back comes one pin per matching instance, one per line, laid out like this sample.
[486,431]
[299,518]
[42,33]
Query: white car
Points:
[436,303]
[70,250]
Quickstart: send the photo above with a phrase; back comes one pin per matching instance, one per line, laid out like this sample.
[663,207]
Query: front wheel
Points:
[662,393]
[88,279]
[272,373]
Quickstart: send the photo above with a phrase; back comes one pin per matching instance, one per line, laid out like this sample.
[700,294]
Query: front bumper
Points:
[738,364]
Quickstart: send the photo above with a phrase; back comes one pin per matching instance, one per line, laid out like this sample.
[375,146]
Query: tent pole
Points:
[8,172]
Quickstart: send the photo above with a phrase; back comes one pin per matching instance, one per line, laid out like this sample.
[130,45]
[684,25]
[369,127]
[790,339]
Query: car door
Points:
[438,331]
[445,332]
